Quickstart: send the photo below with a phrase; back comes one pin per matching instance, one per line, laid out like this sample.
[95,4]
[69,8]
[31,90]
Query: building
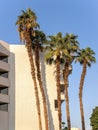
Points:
[75,129]
[17,97]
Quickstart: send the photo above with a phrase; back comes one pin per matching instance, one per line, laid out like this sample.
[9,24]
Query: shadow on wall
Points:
[43,72]
[12,92]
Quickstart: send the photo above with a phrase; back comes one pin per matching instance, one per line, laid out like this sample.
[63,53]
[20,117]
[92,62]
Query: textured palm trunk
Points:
[37,61]
[80,95]
[30,55]
[65,76]
[58,91]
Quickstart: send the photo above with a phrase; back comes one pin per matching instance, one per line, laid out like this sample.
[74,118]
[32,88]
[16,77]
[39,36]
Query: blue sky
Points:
[73,16]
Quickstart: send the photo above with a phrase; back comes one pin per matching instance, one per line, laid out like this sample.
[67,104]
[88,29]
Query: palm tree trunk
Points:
[58,90]
[80,95]
[37,61]
[30,55]
[65,76]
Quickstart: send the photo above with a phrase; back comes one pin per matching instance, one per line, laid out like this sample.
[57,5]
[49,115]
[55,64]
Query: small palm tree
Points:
[85,58]
[53,56]
[37,44]
[26,24]
[70,48]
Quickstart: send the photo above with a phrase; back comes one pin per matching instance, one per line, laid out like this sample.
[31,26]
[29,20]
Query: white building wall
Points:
[25,102]
[22,112]
[25,110]
[75,129]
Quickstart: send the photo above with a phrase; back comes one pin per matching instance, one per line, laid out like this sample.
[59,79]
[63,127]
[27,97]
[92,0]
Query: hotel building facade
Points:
[17,97]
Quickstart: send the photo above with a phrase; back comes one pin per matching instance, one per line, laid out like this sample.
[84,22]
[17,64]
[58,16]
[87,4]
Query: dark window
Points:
[56,104]
[4,90]
[4,58]
[62,88]
[4,74]
[3,106]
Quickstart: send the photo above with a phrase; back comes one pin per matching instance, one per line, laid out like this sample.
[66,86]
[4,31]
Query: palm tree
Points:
[53,55]
[85,58]
[71,47]
[26,24]
[37,42]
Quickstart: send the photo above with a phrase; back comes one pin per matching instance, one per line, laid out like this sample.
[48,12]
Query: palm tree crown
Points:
[86,55]
[61,46]
[26,21]
[38,40]
[54,48]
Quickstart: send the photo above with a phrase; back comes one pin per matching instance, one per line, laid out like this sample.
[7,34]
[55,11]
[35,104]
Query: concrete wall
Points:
[4,98]
[4,48]
[3,120]
[5,45]
[12,105]
[4,83]
[4,66]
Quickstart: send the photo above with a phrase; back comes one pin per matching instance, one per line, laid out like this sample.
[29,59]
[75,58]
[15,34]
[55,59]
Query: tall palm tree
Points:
[53,55]
[26,24]
[85,58]
[71,46]
[37,42]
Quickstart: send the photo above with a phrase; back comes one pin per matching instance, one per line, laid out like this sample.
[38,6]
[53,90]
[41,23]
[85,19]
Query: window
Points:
[3,107]
[4,90]
[4,74]
[4,58]
[62,88]
[56,104]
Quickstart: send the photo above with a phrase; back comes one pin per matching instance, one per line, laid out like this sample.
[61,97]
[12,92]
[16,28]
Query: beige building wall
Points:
[22,112]
[25,102]
[75,129]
